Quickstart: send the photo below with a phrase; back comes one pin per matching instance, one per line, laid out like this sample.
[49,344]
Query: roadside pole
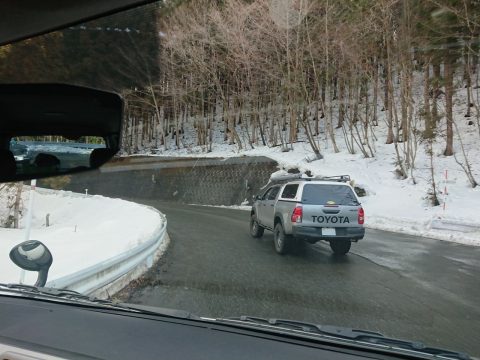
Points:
[28,224]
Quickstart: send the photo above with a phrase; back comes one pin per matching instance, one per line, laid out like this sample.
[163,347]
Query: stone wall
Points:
[208,181]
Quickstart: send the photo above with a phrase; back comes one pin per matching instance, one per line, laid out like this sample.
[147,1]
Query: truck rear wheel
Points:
[255,229]
[282,241]
[340,247]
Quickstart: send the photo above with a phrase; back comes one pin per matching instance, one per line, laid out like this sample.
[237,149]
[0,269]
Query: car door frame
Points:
[269,208]
[261,207]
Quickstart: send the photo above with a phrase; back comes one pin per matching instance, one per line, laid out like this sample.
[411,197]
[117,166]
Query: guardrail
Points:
[98,276]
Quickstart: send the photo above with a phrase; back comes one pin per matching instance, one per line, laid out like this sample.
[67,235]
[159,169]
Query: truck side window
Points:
[290,191]
[272,194]
[267,193]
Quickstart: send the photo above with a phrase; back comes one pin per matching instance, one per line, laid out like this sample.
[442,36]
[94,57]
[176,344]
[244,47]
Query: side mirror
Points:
[32,255]
[55,129]
[257,197]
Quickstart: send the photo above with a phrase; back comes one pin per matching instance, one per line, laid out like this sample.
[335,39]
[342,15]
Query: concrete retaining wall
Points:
[197,181]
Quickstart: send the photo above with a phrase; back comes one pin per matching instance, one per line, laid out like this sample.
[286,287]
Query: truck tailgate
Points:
[330,216]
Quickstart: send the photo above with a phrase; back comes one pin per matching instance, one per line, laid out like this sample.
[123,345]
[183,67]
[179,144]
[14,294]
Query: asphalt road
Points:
[403,286]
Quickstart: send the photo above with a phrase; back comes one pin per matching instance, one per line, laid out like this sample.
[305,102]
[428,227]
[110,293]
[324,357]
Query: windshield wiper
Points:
[337,332]
[45,292]
[74,297]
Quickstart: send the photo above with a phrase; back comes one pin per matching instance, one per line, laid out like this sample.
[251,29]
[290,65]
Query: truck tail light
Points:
[297,214]
[361,216]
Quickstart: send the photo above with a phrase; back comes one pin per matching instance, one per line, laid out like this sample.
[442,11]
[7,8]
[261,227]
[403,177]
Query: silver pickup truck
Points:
[309,209]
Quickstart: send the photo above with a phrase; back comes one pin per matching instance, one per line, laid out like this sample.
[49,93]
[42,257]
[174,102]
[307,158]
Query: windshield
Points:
[222,96]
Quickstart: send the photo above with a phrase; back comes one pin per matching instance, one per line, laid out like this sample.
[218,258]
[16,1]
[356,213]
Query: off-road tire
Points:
[281,240]
[256,230]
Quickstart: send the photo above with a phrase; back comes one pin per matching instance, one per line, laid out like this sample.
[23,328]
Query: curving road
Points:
[402,286]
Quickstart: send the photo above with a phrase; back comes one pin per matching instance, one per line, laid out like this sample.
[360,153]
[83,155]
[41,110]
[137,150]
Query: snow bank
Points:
[84,230]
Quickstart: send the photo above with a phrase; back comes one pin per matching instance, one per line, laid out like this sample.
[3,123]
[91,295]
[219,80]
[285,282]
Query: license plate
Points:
[329,231]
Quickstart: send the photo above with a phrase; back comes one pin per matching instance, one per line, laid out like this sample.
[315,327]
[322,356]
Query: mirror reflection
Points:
[53,154]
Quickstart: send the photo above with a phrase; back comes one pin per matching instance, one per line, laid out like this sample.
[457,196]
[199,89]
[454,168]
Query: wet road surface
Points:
[402,286]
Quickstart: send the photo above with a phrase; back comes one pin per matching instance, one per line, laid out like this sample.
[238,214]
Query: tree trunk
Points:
[293,122]
[375,93]
[386,91]
[435,94]
[468,80]
[323,97]
[404,104]
[341,105]
[335,83]
[434,197]
[449,104]
[428,134]
[388,106]
[272,116]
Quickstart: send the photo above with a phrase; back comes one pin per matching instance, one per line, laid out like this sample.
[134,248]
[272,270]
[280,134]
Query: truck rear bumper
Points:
[315,233]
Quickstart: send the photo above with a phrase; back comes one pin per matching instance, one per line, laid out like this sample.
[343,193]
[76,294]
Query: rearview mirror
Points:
[52,129]
[32,255]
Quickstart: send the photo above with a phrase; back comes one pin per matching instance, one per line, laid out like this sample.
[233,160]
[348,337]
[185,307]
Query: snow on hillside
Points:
[83,231]
[391,203]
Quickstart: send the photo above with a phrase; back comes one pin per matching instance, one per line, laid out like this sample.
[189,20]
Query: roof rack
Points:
[337,178]
[302,177]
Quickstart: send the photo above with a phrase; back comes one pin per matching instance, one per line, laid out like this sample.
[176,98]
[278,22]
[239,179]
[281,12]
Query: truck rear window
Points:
[315,194]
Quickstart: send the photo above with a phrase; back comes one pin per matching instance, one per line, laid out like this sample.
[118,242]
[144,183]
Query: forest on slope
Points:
[274,69]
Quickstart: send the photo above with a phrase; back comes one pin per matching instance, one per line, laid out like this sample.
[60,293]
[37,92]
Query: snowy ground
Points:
[391,204]
[83,231]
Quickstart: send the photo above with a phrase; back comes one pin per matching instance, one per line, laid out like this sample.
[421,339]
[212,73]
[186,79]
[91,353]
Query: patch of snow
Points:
[84,230]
